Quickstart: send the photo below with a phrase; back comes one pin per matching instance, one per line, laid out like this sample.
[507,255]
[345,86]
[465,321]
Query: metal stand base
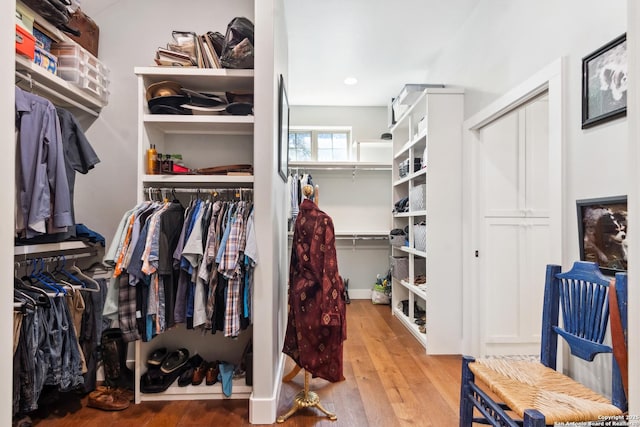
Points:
[305,399]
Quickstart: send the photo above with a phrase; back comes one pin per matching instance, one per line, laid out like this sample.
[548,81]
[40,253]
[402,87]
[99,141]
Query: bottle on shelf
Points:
[158,164]
[152,155]
[167,164]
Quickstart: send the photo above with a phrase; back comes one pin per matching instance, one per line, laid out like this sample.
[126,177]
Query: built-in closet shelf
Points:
[411,251]
[383,233]
[418,142]
[417,291]
[411,326]
[200,79]
[197,179]
[411,177]
[410,214]
[200,392]
[200,124]
[320,166]
[46,249]
[60,92]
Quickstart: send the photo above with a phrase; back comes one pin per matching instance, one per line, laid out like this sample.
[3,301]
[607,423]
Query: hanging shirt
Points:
[44,179]
[79,155]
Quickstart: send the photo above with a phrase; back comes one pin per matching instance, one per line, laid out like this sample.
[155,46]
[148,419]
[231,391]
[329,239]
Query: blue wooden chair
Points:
[533,393]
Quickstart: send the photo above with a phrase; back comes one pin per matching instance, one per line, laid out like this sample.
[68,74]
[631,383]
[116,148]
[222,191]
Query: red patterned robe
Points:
[317,324]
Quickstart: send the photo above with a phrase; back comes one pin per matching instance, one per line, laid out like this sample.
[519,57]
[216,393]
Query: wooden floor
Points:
[390,381]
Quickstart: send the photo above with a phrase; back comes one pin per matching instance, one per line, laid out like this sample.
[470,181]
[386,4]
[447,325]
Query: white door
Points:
[514,238]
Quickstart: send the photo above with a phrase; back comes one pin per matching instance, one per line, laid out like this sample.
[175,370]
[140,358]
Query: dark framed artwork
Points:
[604,83]
[283,126]
[602,231]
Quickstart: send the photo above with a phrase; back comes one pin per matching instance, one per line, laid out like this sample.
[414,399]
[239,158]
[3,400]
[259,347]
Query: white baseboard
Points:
[263,410]
[360,293]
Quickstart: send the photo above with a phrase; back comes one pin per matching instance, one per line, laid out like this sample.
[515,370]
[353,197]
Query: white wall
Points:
[7,119]
[366,122]
[270,289]
[506,41]
[503,43]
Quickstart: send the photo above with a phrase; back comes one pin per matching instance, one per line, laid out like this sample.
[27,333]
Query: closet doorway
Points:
[514,182]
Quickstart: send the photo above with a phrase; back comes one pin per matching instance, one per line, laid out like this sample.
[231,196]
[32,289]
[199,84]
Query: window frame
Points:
[315,130]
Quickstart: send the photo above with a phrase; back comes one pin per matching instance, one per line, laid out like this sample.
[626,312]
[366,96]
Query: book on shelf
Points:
[201,53]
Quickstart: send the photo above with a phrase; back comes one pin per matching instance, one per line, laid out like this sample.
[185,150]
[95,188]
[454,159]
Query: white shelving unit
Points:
[429,133]
[203,141]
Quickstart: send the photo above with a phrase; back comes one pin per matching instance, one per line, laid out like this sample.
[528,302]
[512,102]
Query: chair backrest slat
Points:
[582,296]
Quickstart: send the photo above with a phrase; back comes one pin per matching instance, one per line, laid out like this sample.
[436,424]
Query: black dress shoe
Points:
[185,378]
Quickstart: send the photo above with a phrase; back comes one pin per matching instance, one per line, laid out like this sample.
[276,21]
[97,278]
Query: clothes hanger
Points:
[94,286]
[69,278]
[40,279]
[43,296]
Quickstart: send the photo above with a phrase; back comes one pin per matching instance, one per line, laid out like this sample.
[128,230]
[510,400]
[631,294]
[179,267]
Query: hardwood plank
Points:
[390,381]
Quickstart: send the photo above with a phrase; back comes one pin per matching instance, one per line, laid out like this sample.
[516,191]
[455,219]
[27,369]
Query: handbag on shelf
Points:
[89,31]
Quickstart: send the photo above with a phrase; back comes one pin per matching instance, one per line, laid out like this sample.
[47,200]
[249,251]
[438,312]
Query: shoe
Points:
[174,360]
[199,373]
[124,392]
[107,400]
[212,373]
[155,381]
[157,356]
[185,378]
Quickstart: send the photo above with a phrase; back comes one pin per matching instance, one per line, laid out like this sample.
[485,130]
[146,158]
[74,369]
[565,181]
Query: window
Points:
[329,144]
[299,146]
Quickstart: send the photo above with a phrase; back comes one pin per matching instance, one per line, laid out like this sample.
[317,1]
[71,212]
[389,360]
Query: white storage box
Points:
[416,198]
[79,67]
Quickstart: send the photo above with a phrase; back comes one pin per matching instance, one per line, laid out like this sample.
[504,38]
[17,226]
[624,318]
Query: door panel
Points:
[501,277]
[537,158]
[515,228]
[500,169]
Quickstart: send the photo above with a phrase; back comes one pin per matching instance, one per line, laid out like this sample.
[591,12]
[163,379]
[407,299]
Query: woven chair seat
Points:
[523,384]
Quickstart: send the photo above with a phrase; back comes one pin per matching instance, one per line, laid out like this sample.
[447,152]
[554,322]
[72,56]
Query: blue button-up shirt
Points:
[43,181]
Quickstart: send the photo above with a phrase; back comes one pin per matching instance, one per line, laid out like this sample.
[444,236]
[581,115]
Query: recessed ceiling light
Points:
[350,81]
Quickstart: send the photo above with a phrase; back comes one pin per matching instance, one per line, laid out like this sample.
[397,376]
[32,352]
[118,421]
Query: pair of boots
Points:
[118,377]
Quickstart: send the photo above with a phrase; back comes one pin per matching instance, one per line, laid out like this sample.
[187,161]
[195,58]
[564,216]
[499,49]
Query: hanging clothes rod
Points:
[40,86]
[297,169]
[359,237]
[195,190]
[53,258]
[240,192]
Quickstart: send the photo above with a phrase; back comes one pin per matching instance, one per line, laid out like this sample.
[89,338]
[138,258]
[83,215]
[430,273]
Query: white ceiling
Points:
[383,43]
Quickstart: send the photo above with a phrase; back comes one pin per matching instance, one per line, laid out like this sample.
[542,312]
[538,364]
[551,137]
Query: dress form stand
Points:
[305,398]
